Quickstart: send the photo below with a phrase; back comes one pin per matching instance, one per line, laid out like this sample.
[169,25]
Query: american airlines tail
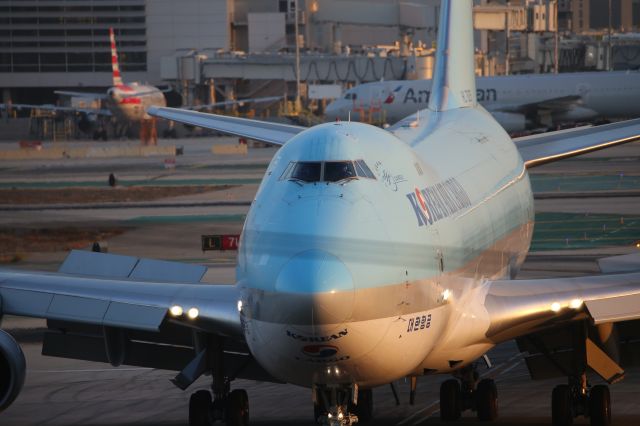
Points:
[117,79]
[454,81]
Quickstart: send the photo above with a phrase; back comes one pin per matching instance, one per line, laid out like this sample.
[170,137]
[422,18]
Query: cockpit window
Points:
[335,171]
[326,171]
[307,171]
[351,96]
[364,170]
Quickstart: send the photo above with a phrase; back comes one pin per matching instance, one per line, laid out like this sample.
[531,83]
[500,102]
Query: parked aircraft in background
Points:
[367,256]
[128,102]
[517,102]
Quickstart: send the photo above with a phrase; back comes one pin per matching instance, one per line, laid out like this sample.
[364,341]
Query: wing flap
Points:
[162,270]
[614,309]
[25,302]
[137,305]
[520,307]
[547,147]
[140,317]
[80,262]
[619,264]
[273,133]
[78,308]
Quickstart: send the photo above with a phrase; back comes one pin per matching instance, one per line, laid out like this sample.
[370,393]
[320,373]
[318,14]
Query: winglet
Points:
[117,79]
[454,81]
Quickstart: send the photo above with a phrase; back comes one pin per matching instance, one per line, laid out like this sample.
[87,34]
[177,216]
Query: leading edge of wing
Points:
[273,133]
[547,147]
[130,304]
[520,307]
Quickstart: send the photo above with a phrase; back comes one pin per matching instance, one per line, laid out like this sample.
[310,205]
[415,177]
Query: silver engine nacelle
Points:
[511,122]
[12,370]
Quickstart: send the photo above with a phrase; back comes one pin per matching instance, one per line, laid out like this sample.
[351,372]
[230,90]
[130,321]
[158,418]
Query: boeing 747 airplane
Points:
[367,256]
[517,102]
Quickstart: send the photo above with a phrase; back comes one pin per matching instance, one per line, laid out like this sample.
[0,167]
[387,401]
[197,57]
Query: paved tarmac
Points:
[67,392]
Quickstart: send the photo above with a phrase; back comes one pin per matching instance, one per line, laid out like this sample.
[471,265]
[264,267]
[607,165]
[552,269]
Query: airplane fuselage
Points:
[370,280]
[511,99]
[130,102]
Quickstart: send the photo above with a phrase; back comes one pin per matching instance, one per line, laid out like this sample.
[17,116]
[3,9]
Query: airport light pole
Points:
[507,63]
[556,40]
[297,34]
[609,49]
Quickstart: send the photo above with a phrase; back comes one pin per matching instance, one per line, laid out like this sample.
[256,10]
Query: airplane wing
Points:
[129,311]
[545,317]
[48,107]
[552,146]
[273,133]
[241,102]
[81,94]
[563,103]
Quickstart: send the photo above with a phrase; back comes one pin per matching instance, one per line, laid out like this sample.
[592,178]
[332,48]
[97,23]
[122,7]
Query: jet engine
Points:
[511,122]
[12,370]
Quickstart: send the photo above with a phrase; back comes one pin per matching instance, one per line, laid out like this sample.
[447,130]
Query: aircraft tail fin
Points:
[117,78]
[454,80]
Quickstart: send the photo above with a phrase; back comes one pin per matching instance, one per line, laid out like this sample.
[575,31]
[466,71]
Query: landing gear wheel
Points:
[318,411]
[450,409]
[600,406]
[364,409]
[238,408]
[199,407]
[561,408]
[487,400]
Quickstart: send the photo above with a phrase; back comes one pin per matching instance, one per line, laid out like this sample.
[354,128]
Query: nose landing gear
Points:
[342,406]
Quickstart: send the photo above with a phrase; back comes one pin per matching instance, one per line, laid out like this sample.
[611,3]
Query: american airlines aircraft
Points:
[128,102]
[367,256]
[517,102]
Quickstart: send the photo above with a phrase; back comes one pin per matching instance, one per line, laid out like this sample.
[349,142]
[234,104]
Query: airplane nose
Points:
[321,285]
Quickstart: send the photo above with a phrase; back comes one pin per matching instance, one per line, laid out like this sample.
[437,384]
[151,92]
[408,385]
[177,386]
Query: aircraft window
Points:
[364,170]
[328,171]
[335,171]
[307,171]
[287,171]
[351,96]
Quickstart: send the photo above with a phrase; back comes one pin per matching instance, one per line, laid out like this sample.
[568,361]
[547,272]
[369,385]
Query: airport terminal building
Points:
[65,44]
[58,44]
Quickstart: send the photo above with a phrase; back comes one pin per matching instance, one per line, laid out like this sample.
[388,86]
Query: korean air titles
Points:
[438,201]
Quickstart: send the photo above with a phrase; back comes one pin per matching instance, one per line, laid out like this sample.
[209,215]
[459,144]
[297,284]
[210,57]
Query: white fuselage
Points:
[367,281]
[131,101]
[516,102]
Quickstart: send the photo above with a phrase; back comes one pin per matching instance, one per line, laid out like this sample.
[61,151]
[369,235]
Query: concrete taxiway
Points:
[67,392]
